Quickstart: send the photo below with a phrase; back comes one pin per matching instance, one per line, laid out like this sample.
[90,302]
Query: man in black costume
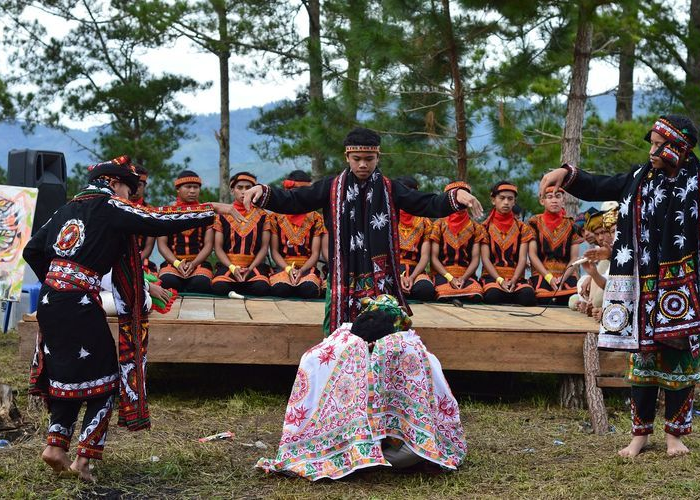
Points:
[360,211]
[651,303]
[76,359]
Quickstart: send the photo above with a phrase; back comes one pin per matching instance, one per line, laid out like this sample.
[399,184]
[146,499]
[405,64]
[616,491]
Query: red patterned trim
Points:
[682,422]
[358,149]
[639,426]
[88,392]
[59,440]
[572,173]
[188,180]
[67,276]
[265,198]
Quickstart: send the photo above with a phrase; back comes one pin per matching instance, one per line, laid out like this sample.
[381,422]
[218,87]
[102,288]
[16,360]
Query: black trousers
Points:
[678,412]
[93,433]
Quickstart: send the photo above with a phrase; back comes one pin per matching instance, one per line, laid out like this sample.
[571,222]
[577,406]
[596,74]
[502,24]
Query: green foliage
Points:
[93,72]
[3,176]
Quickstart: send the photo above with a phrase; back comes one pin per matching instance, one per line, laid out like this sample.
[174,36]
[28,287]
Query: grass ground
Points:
[521,446]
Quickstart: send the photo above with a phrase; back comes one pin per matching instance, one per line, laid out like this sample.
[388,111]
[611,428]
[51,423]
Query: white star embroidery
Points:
[679,240]
[85,300]
[83,353]
[625,206]
[659,195]
[352,193]
[369,194]
[45,299]
[623,255]
[694,209]
[46,350]
[379,220]
[680,216]
[359,241]
[646,256]
[681,193]
[692,185]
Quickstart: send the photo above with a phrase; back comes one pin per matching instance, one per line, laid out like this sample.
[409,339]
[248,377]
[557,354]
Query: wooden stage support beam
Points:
[278,332]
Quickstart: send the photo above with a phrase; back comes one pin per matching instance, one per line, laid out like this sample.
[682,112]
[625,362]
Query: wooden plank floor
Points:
[277,331]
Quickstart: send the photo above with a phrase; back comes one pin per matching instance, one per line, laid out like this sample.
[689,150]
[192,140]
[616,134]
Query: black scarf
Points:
[651,297]
[363,243]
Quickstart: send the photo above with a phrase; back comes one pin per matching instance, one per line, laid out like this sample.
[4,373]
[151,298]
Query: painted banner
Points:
[17,206]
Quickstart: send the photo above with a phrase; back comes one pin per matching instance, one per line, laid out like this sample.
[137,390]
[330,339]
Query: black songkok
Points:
[362,139]
[120,168]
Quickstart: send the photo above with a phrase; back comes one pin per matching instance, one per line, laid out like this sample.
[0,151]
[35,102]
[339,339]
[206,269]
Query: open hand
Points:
[252,195]
[554,178]
[467,199]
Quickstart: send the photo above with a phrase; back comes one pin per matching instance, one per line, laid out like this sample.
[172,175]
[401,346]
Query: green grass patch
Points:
[521,445]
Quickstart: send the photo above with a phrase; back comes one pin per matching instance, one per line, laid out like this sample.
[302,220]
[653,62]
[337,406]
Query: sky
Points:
[184,59]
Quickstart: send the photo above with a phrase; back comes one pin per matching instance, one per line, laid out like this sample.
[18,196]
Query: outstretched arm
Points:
[434,205]
[589,187]
[289,201]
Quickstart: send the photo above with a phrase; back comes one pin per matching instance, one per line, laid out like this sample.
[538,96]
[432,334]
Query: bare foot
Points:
[81,466]
[635,447]
[56,458]
[674,446]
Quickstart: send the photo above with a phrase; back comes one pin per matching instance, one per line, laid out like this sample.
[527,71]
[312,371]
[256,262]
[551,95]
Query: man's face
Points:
[239,189]
[553,202]
[139,191]
[604,236]
[362,164]
[657,140]
[589,236]
[189,193]
[504,201]
[120,189]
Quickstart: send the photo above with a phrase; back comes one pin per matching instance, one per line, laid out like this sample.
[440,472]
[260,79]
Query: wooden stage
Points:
[277,332]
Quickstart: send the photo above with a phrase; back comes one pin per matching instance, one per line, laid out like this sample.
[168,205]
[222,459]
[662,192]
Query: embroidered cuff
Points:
[452,197]
[572,173]
[265,197]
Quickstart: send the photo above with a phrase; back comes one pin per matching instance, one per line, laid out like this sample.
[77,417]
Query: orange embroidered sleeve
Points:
[217,224]
[266,223]
[319,226]
[273,222]
[427,229]
[527,233]
[436,231]
[480,234]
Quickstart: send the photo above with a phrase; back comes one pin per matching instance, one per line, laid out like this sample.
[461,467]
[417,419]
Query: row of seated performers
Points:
[503,245]
[454,246]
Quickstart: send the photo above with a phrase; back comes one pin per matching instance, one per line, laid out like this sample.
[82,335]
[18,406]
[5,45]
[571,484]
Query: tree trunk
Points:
[624,98]
[9,414]
[594,395]
[571,391]
[357,10]
[458,93]
[576,104]
[318,168]
[223,137]
[692,75]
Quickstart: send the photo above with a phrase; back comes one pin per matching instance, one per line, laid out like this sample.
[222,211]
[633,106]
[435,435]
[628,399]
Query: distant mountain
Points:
[202,147]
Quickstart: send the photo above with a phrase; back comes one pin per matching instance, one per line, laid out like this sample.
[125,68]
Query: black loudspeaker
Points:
[45,170]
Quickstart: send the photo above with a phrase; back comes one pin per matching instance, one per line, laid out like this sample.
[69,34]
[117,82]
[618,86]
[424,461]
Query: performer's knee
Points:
[199,284]
[258,288]
[494,296]
[526,297]
[308,290]
[171,281]
[423,290]
[281,290]
[221,287]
